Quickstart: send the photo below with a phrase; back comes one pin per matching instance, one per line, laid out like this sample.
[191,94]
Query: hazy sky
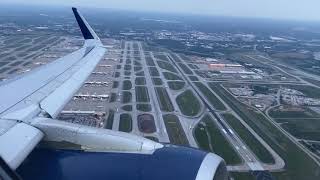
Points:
[283,9]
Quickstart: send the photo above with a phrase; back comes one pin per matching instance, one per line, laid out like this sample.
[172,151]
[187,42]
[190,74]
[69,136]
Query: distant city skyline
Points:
[275,9]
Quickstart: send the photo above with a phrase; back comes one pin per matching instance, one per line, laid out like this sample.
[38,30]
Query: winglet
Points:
[85,28]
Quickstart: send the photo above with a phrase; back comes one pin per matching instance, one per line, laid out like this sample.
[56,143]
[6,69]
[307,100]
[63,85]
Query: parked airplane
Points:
[29,105]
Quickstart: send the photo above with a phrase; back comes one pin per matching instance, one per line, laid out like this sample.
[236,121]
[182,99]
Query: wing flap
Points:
[54,103]
[18,142]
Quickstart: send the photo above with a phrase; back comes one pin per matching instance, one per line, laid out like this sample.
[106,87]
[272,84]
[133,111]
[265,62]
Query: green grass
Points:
[126,97]
[161,57]
[164,99]
[192,66]
[171,76]
[128,61]
[137,68]
[188,103]
[142,94]
[126,85]
[298,164]
[302,128]
[309,91]
[125,123]
[185,58]
[127,108]
[110,120]
[243,176]
[214,101]
[137,63]
[193,78]
[176,85]
[256,147]
[117,74]
[115,84]
[206,133]
[113,97]
[127,73]
[157,81]
[288,112]
[167,66]
[154,71]
[144,107]
[174,129]
[175,58]
[185,69]
[140,81]
[150,61]
[127,67]
[140,73]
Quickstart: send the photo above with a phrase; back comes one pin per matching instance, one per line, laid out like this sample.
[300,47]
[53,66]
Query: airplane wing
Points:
[43,92]
[30,103]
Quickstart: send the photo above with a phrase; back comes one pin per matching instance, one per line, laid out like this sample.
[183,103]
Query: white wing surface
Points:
[43,93]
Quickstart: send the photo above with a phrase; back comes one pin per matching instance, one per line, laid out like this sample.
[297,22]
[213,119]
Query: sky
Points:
[275,9]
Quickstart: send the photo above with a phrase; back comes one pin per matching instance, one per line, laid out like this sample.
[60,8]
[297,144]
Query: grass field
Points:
[113,97]
[127,108]
[164,100]
[127,85]
[161,57]
[193,78]
[192,66]
[117,74]
[137,63]
[309,91]
[126,97]
[142,94]
[176,85]
[144,107]
[125,123]
[242,176]
[185,58]
[255,146]
[154,71]
[210,138]
[175,58]
[127,67]
[115,84]
[171,76]
[140,73]
[127,73]
[174,129]
[302,128]
[214,101]
[137,68]
[140,81]
[157,81]
[185,69]
[293,112]
[150,61]
[110,119]
[298,164]
[167,66]
[188,103]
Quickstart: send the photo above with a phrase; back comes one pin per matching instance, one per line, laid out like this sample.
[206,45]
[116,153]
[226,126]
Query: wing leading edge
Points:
[43,92]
